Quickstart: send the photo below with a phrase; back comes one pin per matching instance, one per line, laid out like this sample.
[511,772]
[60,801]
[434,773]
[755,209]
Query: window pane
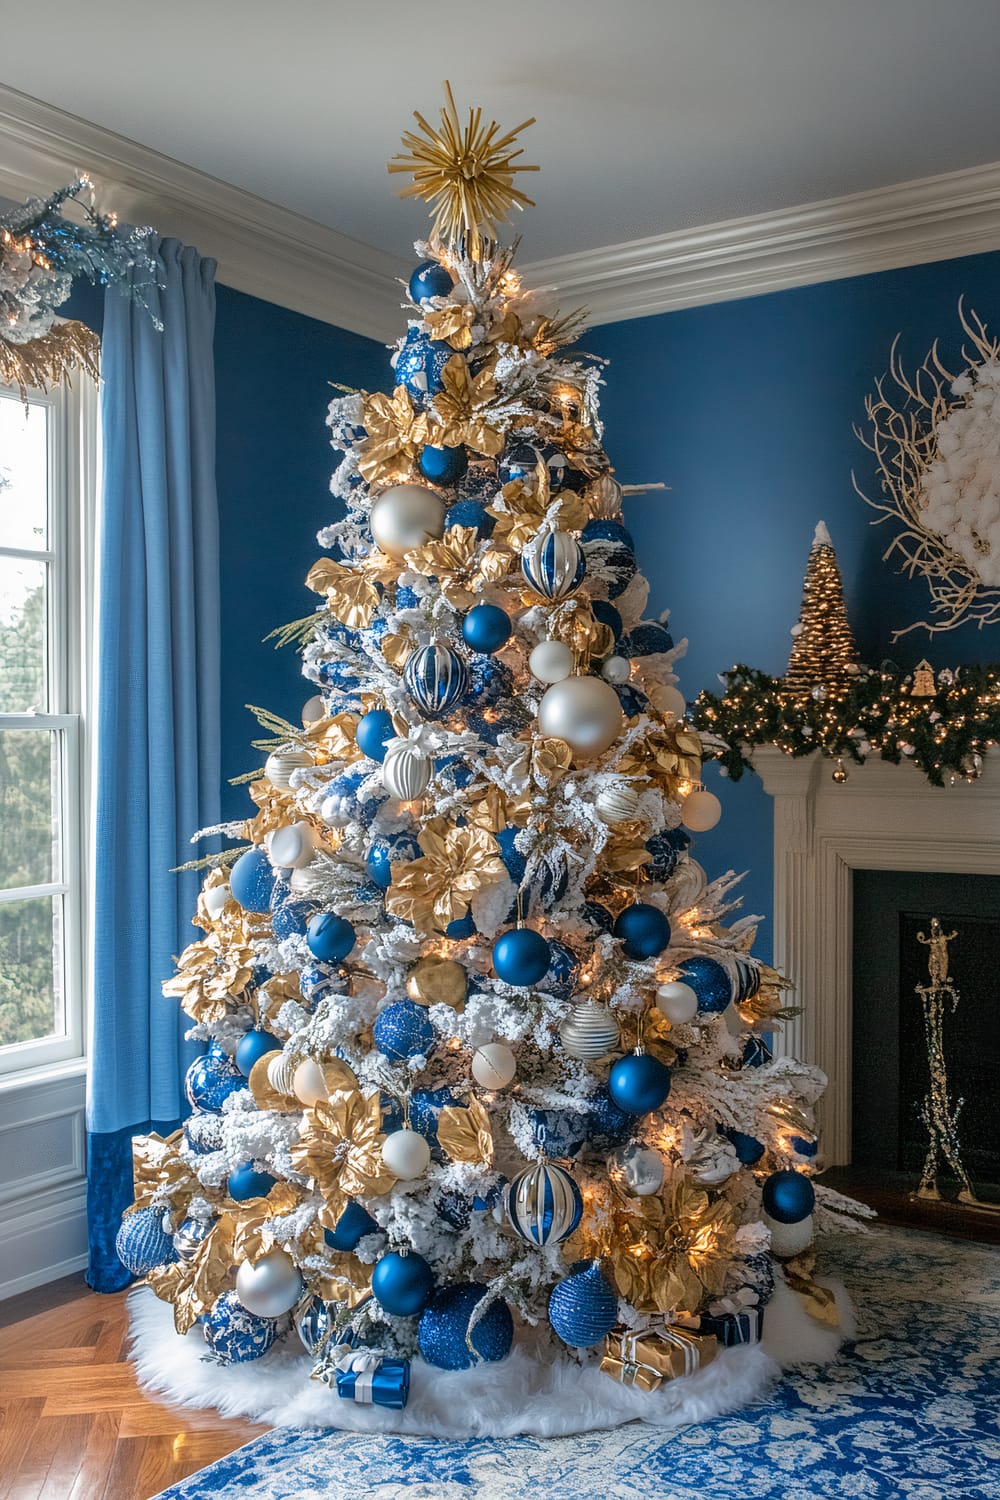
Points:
[29,808]
[23,627]
[31,981]
[24,463]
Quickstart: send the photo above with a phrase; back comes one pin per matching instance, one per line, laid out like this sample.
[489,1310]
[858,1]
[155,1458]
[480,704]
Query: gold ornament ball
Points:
[405,517]
[839,775]
[282,764]
[701,811]
[438,981]
[616,802]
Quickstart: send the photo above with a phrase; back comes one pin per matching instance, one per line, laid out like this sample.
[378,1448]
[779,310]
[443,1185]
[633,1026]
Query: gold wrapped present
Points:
[648,1357]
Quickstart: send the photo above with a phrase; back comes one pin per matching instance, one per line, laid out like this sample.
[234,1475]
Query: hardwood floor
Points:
[73,1423]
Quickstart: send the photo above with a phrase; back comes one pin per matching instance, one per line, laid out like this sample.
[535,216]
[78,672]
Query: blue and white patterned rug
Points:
[910,1410]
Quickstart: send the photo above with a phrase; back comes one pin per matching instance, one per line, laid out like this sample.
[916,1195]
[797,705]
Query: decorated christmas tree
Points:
[486,1066]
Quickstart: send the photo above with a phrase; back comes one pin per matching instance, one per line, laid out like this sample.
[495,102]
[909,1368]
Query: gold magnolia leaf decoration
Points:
[461,409]
[340,1149]
[396,433]
[253,1238]
[437,889]
[465,1133]
[453,561]
[668,756]
[210,973]
[670,1250]
[275,809]
[467,174]
[158,1168]
[351,596]
[333,737]
[524,504]
[48,361]
[193,1285]
[452,324]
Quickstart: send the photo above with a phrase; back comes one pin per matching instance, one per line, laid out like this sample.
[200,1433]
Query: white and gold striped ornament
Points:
[589,1032]
[406,772]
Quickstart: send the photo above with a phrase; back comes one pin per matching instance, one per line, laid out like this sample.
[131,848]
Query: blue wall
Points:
[746,409]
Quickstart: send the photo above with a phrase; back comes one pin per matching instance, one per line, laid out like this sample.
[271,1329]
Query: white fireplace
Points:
[884,817]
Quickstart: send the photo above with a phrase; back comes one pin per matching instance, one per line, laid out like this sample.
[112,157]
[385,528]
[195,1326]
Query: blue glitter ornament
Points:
[429,279]
[442,465]
[643,930]
[392,1113]
[607,1125]
[553,564]
[354,1223]
[425,1111]
[141,1242]
[562,1132]
[251,880]
[435,677]
[490,682]
[472,514]
[788,1196]
[252,1046]
[444,1328]
[564,968]
[648,639]
[583,1308]
[511,857]
[638,1084]
[759,1272]
[709,980]
[666,849]
[455,767]
[607,531]
[236,1335]
[211,1079]
[521,957]
[387,849]
[510,719]
[402,1030]
[342,676]
[329,937]
[374,730]
[596,915]
[486,628]
[748,1149]
[247,1182]
[203,1133]
[455,1209]
[402,1284]
[419,364]
[543,1203]
[606,614]
[290,918]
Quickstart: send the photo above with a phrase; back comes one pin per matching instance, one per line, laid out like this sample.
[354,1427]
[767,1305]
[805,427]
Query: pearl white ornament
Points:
[281,1074]
[666,699]
[309,1083]
[406,1154]
[637,1169]
[270,1286]
[616,802]
[551,661]
[280,765]
[312,710]
[677,1001]
[215,899]
[406,772]
[493,1065]
[583,711]
[616,669]
[789,1239]
[335,811]
[701,811]
[405,517]
[589,1032]
[292,847]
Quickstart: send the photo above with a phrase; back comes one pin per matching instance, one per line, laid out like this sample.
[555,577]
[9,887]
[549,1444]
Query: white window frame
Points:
[73,461]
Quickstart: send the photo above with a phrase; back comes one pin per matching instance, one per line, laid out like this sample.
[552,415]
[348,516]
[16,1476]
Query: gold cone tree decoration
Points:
[823,654]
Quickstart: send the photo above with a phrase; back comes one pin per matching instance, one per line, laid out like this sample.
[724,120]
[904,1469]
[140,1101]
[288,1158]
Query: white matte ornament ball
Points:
[638,1169]
[406,1154]
[406,772]
[789,1239]
[667,699]
[281,1074]
[310,1085]
[701,811]
[215,899]
[616,802]
[292,847]
[616,669]
[551,661]
[583,711]
[270,1286]
[677,1001]
[313,710]
[280,766]
[405,517]
[493,1065]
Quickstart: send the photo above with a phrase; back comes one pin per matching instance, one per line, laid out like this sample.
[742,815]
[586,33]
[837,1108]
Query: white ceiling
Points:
[653,115]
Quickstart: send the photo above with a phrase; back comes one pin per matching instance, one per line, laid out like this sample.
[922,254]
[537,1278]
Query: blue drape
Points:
[157,718]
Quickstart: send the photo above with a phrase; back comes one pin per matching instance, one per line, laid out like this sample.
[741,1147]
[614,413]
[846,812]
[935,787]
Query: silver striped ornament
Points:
[553,564]
[589,1032]
[435,677]
[543,1204]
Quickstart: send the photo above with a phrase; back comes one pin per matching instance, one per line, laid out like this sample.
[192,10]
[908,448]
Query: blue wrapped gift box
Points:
[385,1383]
[733,1329]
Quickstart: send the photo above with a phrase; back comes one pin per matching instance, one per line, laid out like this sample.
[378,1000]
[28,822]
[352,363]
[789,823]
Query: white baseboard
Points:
[44,1242]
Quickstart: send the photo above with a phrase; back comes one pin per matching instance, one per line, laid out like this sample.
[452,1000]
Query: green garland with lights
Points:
[945,731]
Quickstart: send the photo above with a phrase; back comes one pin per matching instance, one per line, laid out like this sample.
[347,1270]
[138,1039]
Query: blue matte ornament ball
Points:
[210,1080]
[583,1308]
[606,614]
[246,1182]
[354,1223]
[639,1083]
[521,957]
[748,1149]
[444,1325]
[141,1242]
[511,857]
[373,732]
[788,1196]
[471,514]
[486,628]
[329,937]
[252,1046]
[251,880]
[387,849]
[644,930]
[402,1284]
[236,1335]
[709,980]
[442,465]
[402,1030]
[430,279]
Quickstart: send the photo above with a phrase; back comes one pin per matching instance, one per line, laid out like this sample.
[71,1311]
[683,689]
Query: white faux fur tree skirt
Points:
[519,1396]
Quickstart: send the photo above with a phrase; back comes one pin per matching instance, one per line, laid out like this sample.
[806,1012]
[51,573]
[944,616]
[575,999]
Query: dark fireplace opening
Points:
[891,1074]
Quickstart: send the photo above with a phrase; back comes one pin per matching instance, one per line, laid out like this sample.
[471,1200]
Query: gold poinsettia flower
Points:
[333,737]
[210,973]
[452,324]
[542,762]
[672,1250]
[462,407]
[461,569]
[524,504]
[464,1132]
[351,596]
[665,755]
[396,433]
[438,889]
[340,1149]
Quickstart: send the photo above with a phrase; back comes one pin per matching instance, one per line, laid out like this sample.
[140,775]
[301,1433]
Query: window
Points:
[47,484]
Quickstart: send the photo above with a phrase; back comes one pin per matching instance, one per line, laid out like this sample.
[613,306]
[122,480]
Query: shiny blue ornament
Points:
[373,732]
[435,677]
[564,968]
[788,1196]
[583,1308]
[666,849]
[644,931]
[251,880]
[312,1324]
[236,1335]
[748,1149]
[402,1030]
[553,564]
[756,1052]
[462,927]
[141,1242]
[521,957]
[472,514]
[329,937]
[638,1084]
[803,1147]
[211,1079]
[520,460]
[606,614]
[290,918]
[607,531]
[252,1046]
[430,279]
[607,1125]
[709,980]
[442,465]
[419,364]
[648,639]
[444,1325]
[387,849]
[486,628]
[402,1284]
[246,1182]
[596,915]
[543,1203]
[561,1132]
[190,1235]
[352,1226]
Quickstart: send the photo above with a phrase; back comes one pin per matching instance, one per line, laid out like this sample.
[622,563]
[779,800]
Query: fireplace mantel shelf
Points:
[884,817]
